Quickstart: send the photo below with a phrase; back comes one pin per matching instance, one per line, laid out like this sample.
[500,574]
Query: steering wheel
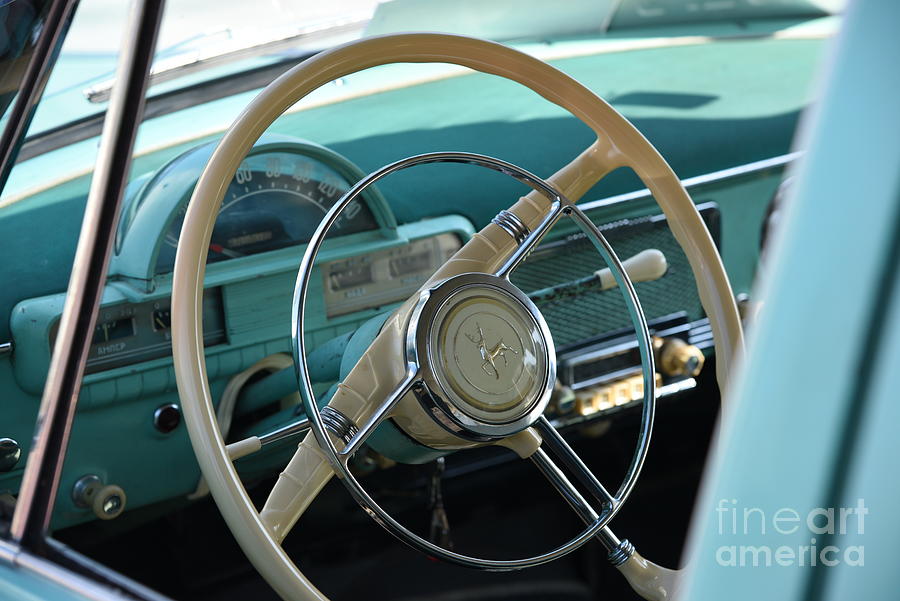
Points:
[468,360]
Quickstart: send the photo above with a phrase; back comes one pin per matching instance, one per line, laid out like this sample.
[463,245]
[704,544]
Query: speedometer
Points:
[275,199]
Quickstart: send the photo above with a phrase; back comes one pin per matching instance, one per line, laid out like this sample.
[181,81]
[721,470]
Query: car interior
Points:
[468,271]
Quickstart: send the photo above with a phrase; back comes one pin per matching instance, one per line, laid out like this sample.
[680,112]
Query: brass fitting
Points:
[675,357]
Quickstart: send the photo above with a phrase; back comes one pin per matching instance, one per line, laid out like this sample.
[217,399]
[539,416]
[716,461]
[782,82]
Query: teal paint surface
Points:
[810,422]
[22,585]
[485,115]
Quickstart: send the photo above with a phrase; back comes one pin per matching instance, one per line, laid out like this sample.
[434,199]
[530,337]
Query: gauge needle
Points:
[218,248]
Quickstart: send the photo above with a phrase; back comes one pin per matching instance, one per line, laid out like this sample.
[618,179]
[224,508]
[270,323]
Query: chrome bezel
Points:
[436,395]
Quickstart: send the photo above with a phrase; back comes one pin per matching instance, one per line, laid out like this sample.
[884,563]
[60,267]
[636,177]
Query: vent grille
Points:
[593,312]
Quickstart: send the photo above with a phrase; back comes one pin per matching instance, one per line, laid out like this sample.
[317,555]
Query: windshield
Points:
[192,31]
[225,52]
[20,25]
[202,39]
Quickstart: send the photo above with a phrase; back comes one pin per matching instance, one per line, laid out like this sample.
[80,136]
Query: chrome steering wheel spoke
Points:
[378,416]
[619,550]
[571,461]
[565,487]
[532,238]
[456,411]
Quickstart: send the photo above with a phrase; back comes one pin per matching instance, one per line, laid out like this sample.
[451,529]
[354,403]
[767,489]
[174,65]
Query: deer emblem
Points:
[489,355]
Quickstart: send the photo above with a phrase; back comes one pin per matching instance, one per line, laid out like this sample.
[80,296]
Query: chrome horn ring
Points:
[560,207]
[440,396]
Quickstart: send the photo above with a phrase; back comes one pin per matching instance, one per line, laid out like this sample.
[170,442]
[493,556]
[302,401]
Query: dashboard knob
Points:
[646,266]
[166,418]
[109,502]
[678,358]
[9,454]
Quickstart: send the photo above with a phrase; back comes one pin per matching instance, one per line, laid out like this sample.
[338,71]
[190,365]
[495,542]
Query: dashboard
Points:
[270,209]
[130,333]
[384,277]
[387,245]
[368,264]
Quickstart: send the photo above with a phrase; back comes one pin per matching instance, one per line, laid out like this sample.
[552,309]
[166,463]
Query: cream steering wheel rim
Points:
[618,144]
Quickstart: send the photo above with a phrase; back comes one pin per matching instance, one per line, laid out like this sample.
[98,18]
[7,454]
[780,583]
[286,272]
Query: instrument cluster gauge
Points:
[275,200]
[128,333]
[386,276]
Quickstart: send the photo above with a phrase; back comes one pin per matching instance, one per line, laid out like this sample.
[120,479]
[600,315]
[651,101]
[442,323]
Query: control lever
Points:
[646,266]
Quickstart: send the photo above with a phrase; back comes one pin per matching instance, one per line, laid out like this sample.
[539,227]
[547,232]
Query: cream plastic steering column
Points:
[382,367]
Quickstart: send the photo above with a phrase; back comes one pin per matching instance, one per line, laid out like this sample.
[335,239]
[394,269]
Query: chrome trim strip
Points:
[699,180]
[622,553]
[603,353]
[339,424]
[8,551]
[567,421]
[17,558]
[512,225]
[678,386]
[604,378]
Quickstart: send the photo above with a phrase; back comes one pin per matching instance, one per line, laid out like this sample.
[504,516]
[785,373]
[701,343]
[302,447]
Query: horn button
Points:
[489,361]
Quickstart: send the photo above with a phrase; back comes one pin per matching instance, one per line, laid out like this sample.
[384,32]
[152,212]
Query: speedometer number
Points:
[244,174]
[302,172]
[328,188]
[352,210]
[273,167]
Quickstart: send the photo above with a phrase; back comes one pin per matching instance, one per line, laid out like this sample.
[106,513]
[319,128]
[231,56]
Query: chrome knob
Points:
[9,454]
[84,490]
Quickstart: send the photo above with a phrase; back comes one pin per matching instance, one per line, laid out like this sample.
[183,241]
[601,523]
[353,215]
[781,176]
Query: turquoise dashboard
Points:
[387,245]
